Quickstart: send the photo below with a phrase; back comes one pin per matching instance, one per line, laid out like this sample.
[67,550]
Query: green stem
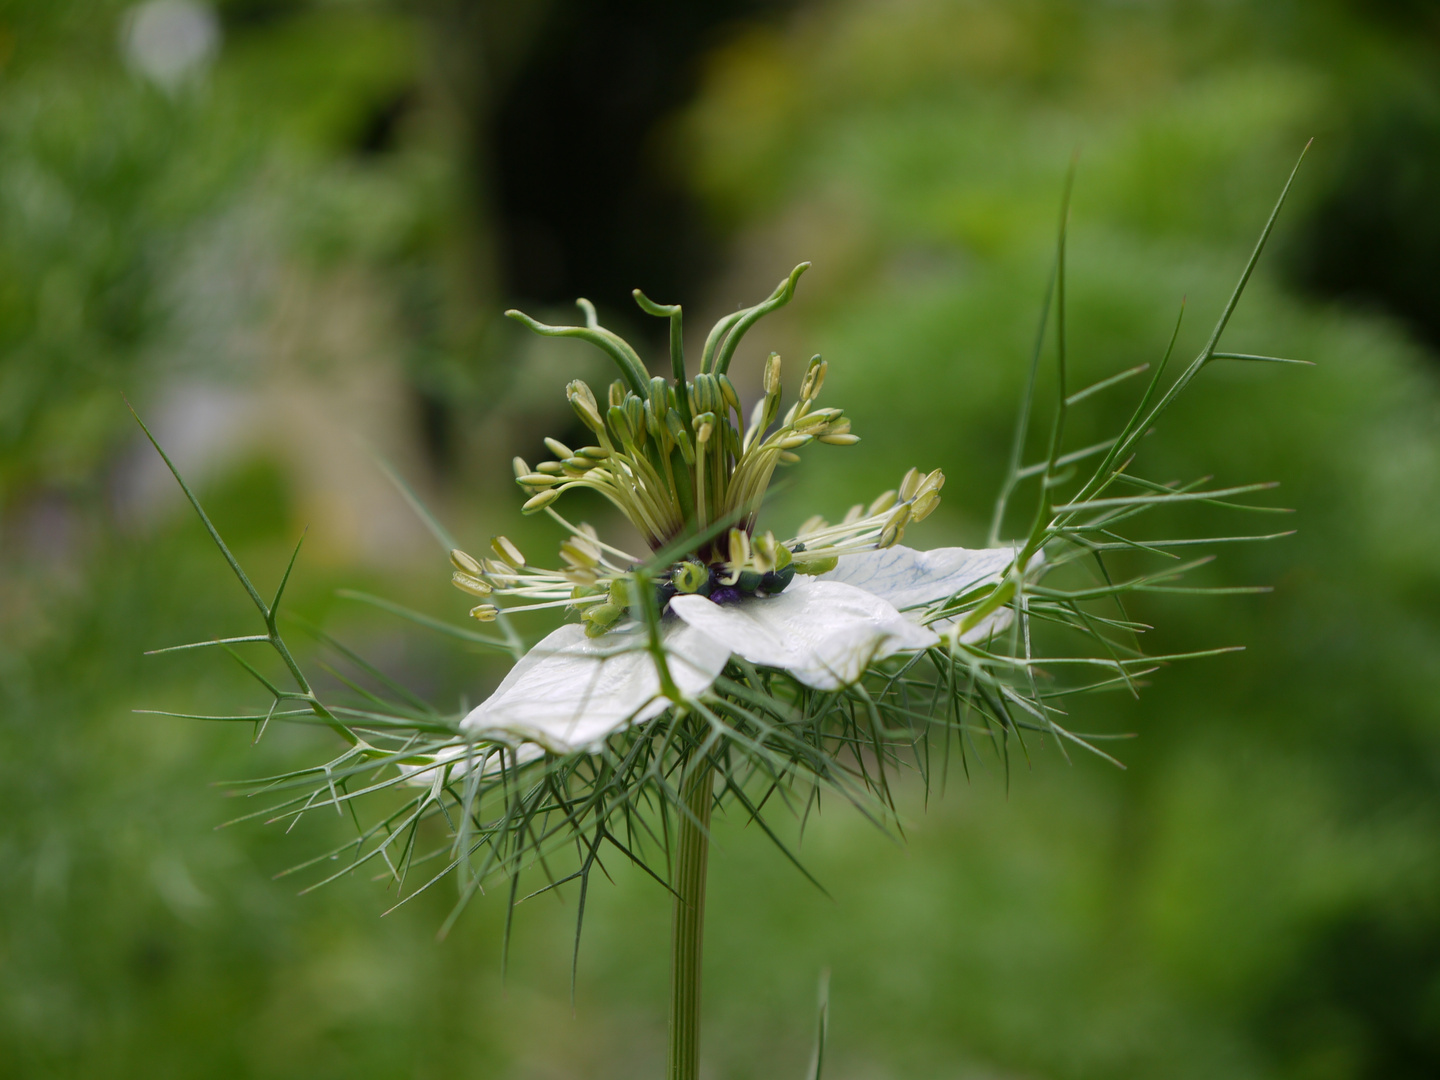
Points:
[688,926]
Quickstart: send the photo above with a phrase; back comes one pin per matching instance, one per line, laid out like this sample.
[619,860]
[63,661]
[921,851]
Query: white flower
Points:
[677,457]
[571,691]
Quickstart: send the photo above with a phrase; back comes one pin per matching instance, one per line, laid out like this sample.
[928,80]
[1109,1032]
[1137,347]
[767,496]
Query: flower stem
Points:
[688,925]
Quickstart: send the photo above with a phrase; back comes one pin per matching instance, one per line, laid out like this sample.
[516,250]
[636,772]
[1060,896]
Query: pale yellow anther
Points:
[793,442]
[854,514]
[814,379]
[882,502]
[812,525]
[910,484]
[895,527]
[536,479]
[582,400]
[466,563]
[788,457]
[595,453]
[580,552]
[554,468]
[536,503]
[772,374]
[467,583]
[518,464]
[739,548]
[484,612]
[813,423]
[507,552]
[579,390]
[558,448]
[839,440]
[923,505]
[704,427]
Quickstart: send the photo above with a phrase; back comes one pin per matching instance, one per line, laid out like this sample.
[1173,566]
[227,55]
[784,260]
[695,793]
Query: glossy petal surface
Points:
[569,692]
[910,579]
[822,632]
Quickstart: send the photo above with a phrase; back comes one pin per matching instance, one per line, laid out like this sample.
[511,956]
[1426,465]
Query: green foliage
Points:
[117,189]
[1253,897]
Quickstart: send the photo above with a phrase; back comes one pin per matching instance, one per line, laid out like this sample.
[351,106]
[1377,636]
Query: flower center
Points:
[676,458]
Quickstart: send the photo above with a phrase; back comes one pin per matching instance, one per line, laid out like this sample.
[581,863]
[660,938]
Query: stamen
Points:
[673,460]
[586,532]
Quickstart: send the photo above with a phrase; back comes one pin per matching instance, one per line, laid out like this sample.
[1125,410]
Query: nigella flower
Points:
[676,458]
[726,665]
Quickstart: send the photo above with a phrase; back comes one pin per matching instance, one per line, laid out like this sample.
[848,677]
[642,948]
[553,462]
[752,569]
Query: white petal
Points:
[824,633]
[911,579]
[461,756]
[570,691]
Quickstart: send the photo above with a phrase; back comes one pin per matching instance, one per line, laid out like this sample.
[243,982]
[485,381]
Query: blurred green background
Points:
[285,229]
